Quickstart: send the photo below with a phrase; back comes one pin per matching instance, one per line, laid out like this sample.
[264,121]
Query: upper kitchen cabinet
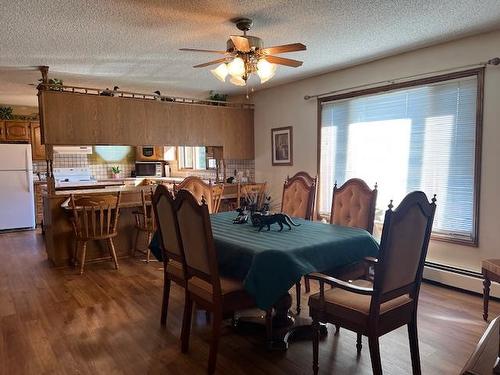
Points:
[17,131]
[37,148]
[2,131]
[71,118]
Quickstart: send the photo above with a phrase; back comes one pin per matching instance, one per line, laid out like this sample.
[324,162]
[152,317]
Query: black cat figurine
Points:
[267,220]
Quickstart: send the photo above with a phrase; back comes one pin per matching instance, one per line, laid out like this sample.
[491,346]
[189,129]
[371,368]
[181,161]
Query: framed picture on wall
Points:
[282,146]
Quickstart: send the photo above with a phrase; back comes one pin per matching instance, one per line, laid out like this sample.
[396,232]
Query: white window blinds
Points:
[418,138]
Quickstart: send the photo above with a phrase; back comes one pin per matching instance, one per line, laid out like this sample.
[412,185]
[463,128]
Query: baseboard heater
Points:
[476,276]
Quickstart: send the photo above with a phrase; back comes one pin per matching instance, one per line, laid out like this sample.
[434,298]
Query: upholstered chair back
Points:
[404,243]
[197,239]
[198,188]
[298,196]
[353,205]
[95,217]
[166,221]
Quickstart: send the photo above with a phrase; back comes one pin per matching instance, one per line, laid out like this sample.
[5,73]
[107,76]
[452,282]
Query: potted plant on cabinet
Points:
[115,171]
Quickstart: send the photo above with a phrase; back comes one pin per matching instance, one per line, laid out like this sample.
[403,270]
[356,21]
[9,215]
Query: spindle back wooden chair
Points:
[145,223]
[95,218]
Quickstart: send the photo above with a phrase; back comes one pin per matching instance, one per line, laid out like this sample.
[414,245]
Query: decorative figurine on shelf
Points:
[260,220]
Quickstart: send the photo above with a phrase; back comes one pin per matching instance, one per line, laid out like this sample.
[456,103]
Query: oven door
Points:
[145,169]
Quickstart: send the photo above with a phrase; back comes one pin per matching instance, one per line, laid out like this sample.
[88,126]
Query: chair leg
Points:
[113,252]
[186,323]
[164,305]
[136,242]
[214,344]
[297,295]
[148,252]
[82,260]
[415,355]
[315,337]
[76,247]
[375,355]
[307,284]
[269,327]
[337,329]
[359,343]
[486,296]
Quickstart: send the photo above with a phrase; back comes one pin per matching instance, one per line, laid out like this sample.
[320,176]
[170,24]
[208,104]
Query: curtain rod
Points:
[493,61]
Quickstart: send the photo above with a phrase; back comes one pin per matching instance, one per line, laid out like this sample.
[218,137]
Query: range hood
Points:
[73,150]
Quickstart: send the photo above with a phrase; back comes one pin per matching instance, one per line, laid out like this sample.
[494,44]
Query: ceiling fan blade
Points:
[213,62]
[283,61]
[202,50]
[241,43]
[284,48]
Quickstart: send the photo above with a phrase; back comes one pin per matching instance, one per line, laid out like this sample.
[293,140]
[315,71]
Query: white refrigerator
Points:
[17,206]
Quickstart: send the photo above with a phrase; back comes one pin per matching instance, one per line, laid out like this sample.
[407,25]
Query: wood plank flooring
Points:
[107,322]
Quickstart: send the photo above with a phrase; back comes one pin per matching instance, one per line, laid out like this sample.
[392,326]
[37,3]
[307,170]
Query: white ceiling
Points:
[134,43]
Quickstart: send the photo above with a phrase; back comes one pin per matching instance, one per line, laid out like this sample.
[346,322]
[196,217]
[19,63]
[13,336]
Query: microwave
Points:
[148,169]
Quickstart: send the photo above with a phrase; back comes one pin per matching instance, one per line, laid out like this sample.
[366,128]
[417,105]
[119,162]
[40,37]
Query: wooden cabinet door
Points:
[2,131]
[37,148]
[17,131]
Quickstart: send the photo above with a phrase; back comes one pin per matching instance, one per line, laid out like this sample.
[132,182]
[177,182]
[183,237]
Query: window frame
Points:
[479,74]
[194,155]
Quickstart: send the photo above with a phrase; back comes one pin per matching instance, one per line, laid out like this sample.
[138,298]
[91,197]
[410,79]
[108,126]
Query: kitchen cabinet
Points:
[2,131]
[37,148]
[76,118]
[17,131]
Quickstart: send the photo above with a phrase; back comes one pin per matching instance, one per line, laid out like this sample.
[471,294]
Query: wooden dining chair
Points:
[171,246]
[95,218]
[298,197]
[144,223]
[252,193]
[217,193]
[299,193]
[199,189]
[353,205]
[374,309]
[205,287]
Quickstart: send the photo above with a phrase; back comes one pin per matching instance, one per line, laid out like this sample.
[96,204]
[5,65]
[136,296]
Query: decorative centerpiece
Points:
[262,217]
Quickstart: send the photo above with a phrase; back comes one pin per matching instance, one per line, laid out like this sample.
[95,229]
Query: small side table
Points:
[490,269]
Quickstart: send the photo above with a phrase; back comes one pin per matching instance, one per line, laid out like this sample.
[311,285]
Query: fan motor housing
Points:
[254,42]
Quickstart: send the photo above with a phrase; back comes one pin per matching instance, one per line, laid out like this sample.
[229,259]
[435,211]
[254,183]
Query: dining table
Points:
[271,262]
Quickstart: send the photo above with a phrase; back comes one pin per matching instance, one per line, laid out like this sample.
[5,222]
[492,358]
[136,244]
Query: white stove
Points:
[73,177]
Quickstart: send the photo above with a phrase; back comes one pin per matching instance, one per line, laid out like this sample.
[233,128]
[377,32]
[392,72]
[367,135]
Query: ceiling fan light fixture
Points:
[238,81]
[220,72]
[265,70]
[236,67]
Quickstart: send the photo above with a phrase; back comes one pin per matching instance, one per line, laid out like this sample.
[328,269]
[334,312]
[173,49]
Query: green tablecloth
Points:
[270,263]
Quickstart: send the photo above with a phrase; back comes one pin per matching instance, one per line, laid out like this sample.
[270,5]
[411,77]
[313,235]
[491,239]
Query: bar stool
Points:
[95,218]
[145,223]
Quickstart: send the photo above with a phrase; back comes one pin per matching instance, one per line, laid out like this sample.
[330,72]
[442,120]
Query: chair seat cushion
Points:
[491,265]
[340,301]
[174,268]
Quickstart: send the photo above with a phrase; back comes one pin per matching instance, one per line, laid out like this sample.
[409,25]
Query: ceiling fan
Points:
[246,54]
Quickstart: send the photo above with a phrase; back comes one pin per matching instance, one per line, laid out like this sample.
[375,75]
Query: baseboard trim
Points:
[463,280]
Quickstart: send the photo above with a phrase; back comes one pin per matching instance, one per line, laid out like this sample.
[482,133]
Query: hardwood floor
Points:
[108,322]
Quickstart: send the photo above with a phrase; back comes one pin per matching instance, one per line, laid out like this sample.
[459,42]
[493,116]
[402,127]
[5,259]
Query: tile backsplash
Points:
[101,168]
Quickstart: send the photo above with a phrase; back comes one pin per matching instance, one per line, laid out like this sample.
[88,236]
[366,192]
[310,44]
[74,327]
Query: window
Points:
[192,157]
[413,137]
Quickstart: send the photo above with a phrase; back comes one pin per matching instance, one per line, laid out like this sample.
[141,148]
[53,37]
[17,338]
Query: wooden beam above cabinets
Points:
[70,118]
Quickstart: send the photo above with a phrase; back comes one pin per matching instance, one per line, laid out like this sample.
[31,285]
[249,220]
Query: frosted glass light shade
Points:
[265,70]
[220,72]
[238,81]
[236,67]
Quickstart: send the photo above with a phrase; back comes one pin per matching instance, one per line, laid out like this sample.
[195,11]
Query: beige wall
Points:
[285,106]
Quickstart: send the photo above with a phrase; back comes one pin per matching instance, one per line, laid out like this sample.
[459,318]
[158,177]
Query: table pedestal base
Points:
[285,327]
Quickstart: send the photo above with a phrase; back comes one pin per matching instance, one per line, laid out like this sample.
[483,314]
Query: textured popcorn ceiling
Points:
[134,43]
